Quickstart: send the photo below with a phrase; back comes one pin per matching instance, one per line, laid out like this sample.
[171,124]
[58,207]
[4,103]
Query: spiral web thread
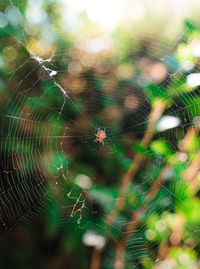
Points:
[33,132]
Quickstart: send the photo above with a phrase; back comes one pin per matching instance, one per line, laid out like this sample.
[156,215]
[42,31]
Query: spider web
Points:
[52,111]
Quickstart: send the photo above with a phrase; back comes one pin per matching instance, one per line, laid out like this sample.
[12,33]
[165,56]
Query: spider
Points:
[100,136]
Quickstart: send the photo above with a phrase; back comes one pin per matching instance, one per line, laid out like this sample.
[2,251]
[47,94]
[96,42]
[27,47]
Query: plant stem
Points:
[95,259]
[190,173]
[135,218]
[155,114]
[194,168]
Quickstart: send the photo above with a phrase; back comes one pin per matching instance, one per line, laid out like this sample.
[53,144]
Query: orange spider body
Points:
[100,136]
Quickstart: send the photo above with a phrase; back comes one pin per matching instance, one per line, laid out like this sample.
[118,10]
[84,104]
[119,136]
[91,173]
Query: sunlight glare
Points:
[193,80]
[168,122]
[106,13]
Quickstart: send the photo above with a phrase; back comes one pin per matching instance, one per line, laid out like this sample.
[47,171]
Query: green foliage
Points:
[59,184]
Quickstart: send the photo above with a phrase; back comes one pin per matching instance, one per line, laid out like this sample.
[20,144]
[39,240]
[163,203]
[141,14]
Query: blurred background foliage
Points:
[69,69]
